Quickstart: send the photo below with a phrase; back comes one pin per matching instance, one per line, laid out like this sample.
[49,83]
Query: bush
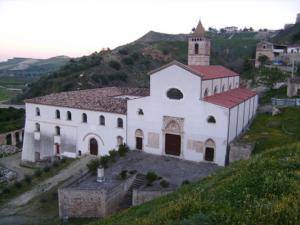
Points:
[128,61]
[104,160]
[18,184]
[38,172]
[5,190]
[199,219]
[47,169]
[63,160]
[113,154]
[151,177]
[28,179]
[164,184]
[93,166]
[123,149]
[123,174]
[115,64]
[55,164]
[123,51]
[132,172]
[43,200]
[185,182]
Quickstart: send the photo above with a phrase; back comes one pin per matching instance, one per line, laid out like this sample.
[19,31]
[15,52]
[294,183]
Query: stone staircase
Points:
[138,182]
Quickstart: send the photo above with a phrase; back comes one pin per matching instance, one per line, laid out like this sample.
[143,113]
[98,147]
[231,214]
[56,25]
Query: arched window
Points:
[57,130]
[102,120]
[174,93]
[69,115]
[140,112]
[210,147]
[84,118]
[139,135]
[215,90]
[196,49]
[37,111]
[119,140]
[120,123]
[211,119]
[223,88]
[206,92]
[37,127]
[57,114]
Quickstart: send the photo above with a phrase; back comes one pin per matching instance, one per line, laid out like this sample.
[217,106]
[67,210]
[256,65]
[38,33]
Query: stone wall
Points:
[240,151]
[91,203]
[141,196]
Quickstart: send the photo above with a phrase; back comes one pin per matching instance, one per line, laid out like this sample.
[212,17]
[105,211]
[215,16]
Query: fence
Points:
[286,102]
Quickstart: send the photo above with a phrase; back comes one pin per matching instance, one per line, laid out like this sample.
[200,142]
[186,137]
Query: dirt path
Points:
[74,169]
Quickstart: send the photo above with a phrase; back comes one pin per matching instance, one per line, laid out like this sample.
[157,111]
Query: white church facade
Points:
[192,112]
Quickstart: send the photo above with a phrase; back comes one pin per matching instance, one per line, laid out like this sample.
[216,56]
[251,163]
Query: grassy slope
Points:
[288,36]
[262,190]
[11,119]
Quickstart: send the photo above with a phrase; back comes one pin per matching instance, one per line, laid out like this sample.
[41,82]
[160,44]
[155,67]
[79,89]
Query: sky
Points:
[47,28]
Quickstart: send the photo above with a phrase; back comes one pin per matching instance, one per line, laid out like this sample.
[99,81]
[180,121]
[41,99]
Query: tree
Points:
[263,59]
[271,76]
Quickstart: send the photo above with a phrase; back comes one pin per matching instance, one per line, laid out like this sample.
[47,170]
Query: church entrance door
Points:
[172,144]
[93,146]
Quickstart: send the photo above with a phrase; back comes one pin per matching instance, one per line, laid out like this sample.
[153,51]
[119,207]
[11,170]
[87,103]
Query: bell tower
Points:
[199,47]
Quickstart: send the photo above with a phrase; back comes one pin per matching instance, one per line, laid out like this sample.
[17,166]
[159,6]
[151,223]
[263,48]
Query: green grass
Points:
[11,119]
[262,190]
[271,131]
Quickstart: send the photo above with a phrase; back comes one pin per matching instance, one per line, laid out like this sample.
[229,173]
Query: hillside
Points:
[31,67]
[128,65]
[288,36]
[262,190]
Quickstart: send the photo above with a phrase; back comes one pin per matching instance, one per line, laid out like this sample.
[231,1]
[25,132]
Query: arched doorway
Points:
[139,135]
[93,146]
[173,138]
[57,149]
[209,154]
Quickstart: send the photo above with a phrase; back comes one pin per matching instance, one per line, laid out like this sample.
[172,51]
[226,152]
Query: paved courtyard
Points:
[171,169]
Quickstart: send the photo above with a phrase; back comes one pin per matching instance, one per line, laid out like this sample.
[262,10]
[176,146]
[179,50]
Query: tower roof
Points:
[199,31]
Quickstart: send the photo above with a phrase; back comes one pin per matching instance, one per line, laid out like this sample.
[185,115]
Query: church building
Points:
[192,112]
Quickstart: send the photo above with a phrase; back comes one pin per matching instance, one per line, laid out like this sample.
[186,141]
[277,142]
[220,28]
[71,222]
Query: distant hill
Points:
[288,36]
[129,64]
[31,67]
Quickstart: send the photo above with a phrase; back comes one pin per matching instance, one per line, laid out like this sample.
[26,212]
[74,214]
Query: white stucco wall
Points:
[74,135]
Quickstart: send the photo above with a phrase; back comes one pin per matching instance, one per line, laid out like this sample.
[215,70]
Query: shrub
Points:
[63,160]
[18,184]
[47,169]
[104,160]
[115,64]
[132,172]
[135,56]
[38,172]
[123,149]
[93,165]
[199,219]
[5,190]
[55,164]
[113,154]
[43,200]
[28,179]
[151,177]
[164,184]
[185,182]
[123,174]
[123,51]
[128,61]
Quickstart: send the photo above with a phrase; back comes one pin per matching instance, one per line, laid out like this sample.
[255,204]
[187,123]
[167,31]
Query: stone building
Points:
[192,112]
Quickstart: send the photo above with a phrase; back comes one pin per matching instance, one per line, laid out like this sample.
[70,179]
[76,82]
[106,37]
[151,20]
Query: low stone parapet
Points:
[141,196]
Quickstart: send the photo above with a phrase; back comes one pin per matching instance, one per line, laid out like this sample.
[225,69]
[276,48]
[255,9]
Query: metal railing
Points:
[285,102]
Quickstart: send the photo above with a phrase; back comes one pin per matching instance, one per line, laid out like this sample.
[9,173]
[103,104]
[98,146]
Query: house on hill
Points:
[192,112]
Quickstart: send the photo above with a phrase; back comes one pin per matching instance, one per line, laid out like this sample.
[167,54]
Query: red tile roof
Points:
[99,99]
[212,72]
[231,98]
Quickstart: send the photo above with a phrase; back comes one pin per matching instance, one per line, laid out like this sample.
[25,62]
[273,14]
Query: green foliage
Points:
[185,182]
[93,166]
[263,59]
[47,169]
[115,64]
[151,177]
[271,76]
[104,160]
[113,154]
[164,184]
[123,174]
[38,172]
[123,51]
[123,149]
[128,61]
[262,190]
[55,164]
[11,119]
[273,93]
[18,184]
[28,179]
